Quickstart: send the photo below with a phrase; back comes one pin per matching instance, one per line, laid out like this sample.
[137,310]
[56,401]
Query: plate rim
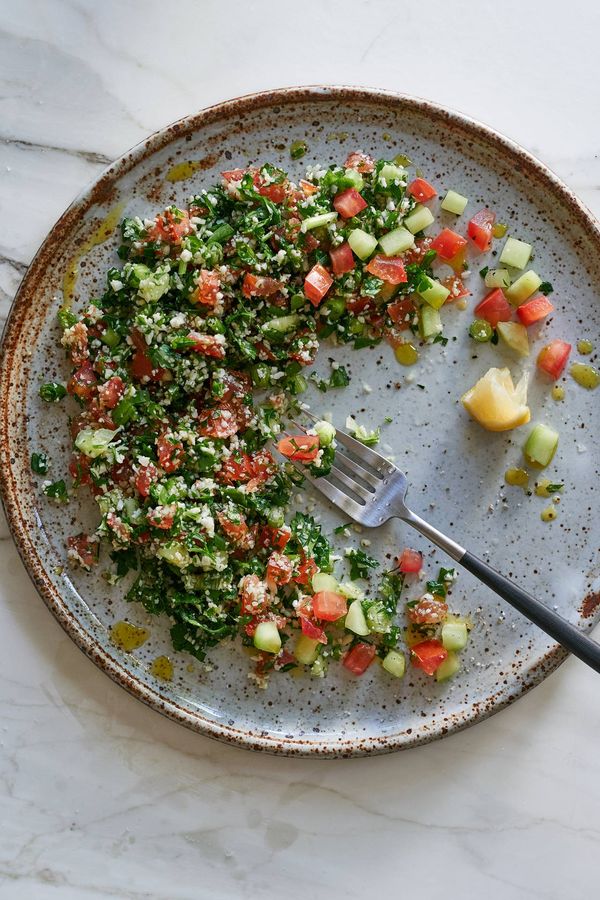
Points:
[96,191]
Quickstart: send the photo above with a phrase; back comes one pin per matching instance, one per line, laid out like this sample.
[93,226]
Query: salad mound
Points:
[187,365]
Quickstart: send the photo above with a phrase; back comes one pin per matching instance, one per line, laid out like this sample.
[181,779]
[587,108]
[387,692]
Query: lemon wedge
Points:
[496,403]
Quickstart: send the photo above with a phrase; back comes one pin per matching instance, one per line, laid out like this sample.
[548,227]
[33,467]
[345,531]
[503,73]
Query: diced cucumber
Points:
[267,637]
[93,442]
[448,668]
[306,650]
[514,336]
[396,241]
[175,553]
[390,172]
[541,445]
[435,293]
[354,179]
[355,619]
[497,278]
[454,203]
[515,253]
[350,590]
[526,285]
[362,243]
[282,324]
[421,217]
[325,431]
[394,663]
[454,635]
[430,323]
[324,582]
[318,221]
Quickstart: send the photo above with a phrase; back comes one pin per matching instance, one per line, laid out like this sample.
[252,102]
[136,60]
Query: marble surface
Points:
[101,797]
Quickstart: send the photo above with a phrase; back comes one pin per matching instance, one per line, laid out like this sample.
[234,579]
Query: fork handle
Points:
[570,637]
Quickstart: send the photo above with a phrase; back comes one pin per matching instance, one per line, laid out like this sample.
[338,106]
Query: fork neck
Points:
[454,550]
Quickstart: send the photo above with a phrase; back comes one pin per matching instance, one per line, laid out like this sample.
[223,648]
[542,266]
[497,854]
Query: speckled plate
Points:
[455,468]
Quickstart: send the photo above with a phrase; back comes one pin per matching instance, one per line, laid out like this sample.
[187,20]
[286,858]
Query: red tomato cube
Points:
[342,259]
[421,190]
[317,283]
[553,358]
[494,308]
[410,561]
[534,310]
[480,227]
[329,606]
[448,243]
[301,447]
[388,268]
[360,658]
[428,656]
[349,203]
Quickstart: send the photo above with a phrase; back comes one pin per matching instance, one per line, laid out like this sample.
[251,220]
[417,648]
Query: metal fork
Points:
[371,490]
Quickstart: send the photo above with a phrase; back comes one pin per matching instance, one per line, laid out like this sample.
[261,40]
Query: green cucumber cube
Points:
[515,253]
[396,241]
[350,590]
[541,445]
[318,221]
[354,179]
[433,293]
[306,650]
[421,217]
[176,554]
[355,619]
[430,323]
[394,663]
[390,172]
[324,582]
[282,324]
[362,243]
[325,431]
[497,278]
[526,285]
[454,203]
[448,668]
[454,635]
[267,637]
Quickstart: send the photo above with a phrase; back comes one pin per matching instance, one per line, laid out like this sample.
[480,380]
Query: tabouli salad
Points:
[198,349]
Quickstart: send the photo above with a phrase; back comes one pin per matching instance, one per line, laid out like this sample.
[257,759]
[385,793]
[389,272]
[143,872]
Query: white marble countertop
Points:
[101,797]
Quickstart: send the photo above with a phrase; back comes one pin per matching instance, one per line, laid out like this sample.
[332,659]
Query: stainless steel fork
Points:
[371,490]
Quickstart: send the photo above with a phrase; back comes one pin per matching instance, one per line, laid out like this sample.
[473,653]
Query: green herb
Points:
[339,378]
[546,288]
[298,149]
[360,563]
[554,488]
[483,272]
[52,392]
[57,491]
[39,463]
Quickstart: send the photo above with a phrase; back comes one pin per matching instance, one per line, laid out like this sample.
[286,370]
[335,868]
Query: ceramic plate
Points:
[455,468]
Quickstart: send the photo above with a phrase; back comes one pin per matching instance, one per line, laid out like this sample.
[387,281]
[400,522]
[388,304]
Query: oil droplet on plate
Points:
[98,236]
[162,667]
[585,347]
[558,392]
[517,477]
[548,514]
[406,354]
[127,636]
[184,170]
[587,376]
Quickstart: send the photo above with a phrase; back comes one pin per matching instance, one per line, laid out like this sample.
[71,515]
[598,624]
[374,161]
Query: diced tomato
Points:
[247,468]
[310,243]
[448,243]
[402,313]
[306,569]
[120,474]
[410,561]
[388,268]
[279,568]
[79,469]
[237,532]
[329,606]
[172,226]
[456,287]
[317,283]
[76,339]
[416,253]
[219,423]
[170,453]
[301,447]
[421,190]
[534,310]
[84,550]
[207,344]
[552,359]
[276,193]
[479,229]
[307,187]
[237,384]
[311,630]
[254,595]
[82,382]
[259,285]
[428,656]
[494,308]
[358,305]
[208,288]
[360,658]
[163,516]
[142,367]
[362,162]
[111,392]
[145,477]
[233,174]
[427,612]
[349,203]
[342,259]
